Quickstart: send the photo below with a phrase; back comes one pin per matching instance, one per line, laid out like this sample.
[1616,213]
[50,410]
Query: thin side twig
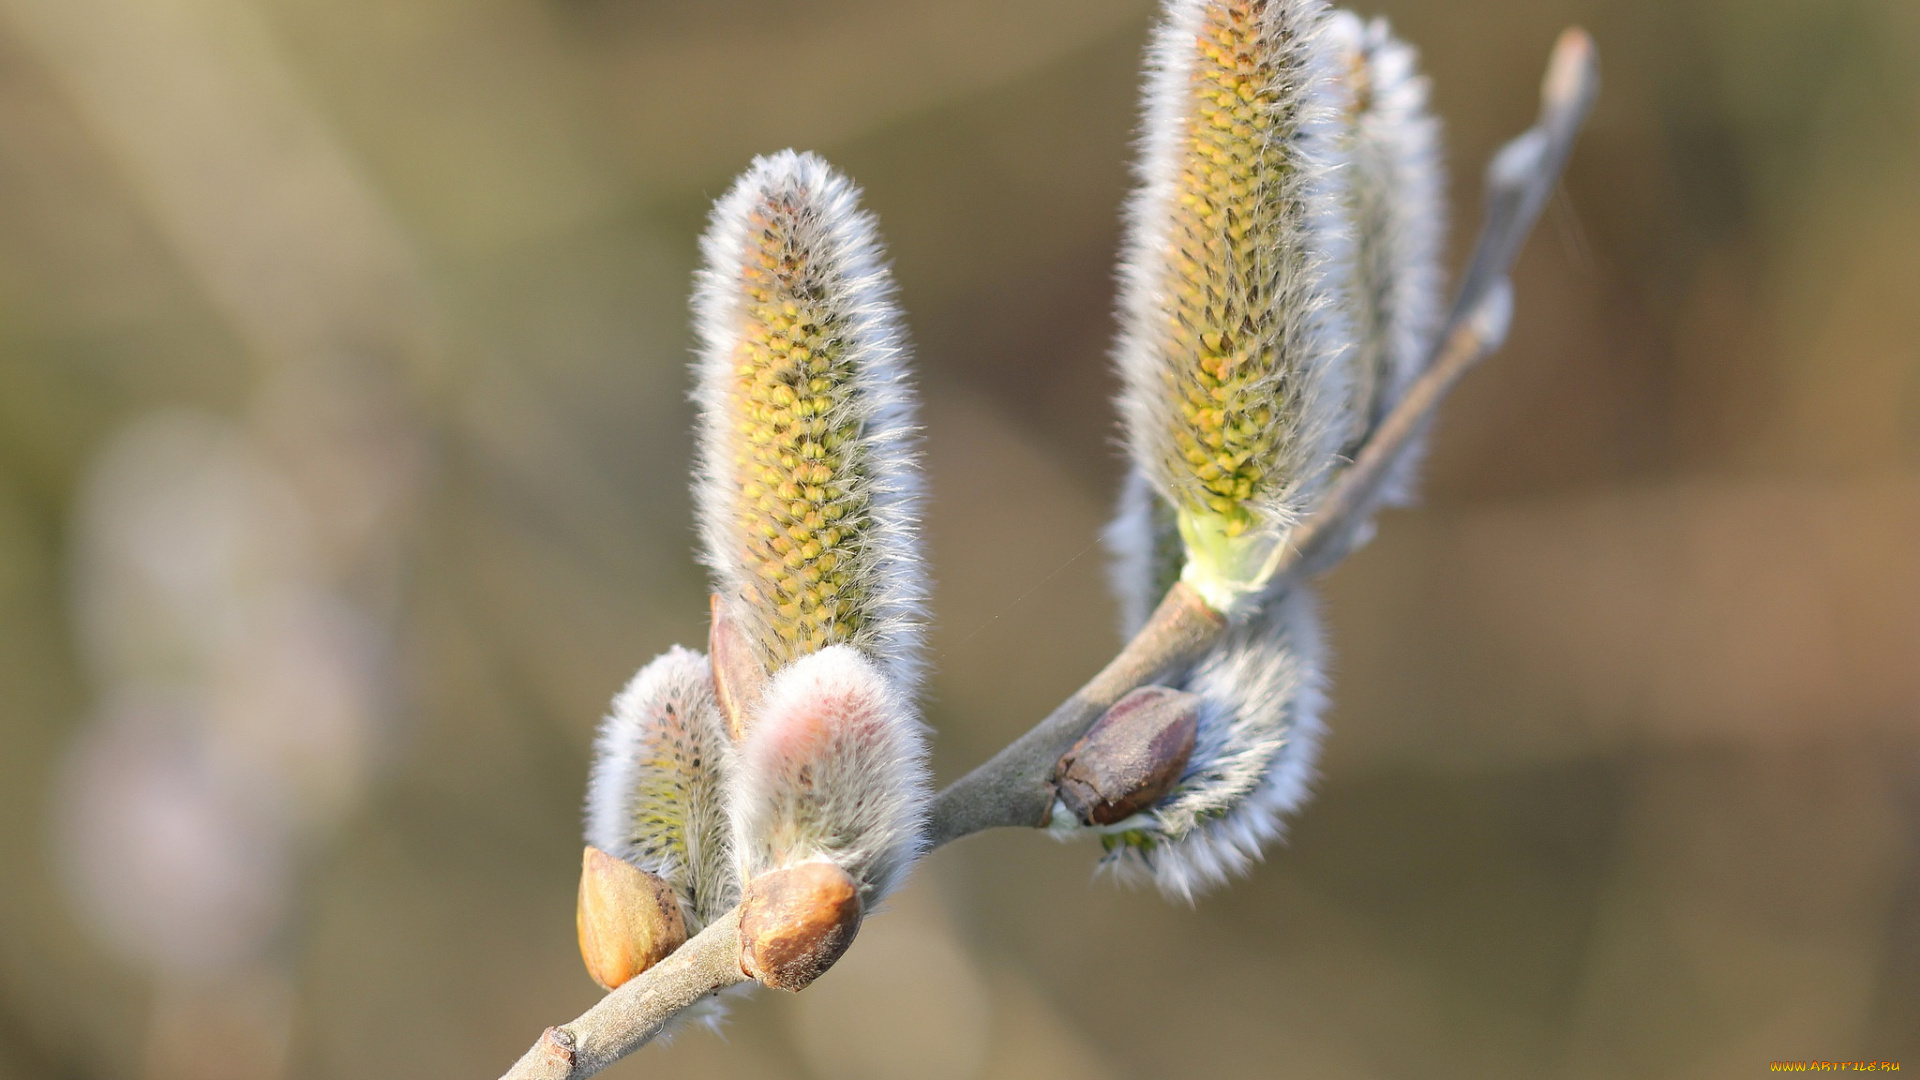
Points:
[627,1018]
[1522,176]
[1014,788]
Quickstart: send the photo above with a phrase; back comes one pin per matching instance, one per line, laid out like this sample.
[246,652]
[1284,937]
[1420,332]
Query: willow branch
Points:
[1014,787]
[629,1017]
[1522,176]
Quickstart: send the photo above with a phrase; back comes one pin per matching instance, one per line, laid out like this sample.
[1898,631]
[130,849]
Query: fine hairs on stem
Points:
[1303,365]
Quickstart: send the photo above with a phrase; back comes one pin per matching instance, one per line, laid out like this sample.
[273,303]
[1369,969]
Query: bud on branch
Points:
[1131,757]
[832,770]
[654,796]
[794,923]
[628,920]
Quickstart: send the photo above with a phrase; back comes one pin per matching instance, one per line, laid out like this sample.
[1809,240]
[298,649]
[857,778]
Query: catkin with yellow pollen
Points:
[805,488]
[807,494]
[1234,395]
[798,507]
[792,762]
[1239,397]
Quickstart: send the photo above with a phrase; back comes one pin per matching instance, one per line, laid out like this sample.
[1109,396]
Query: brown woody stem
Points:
[1013,788]
[627,1018]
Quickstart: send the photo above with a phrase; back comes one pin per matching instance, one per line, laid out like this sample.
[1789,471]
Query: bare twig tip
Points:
[1573,71]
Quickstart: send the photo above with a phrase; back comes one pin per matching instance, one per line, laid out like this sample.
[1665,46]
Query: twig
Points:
[1522,176]
[1464,345]
[627,1018]
[1013,787]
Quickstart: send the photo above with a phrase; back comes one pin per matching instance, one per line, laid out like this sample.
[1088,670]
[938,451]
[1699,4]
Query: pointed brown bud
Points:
[1132,756]
[795,922]
[628,919]
[739,679]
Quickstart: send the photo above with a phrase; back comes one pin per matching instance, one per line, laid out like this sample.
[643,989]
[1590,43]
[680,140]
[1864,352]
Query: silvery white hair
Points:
[654,797]
[1144,552]
[1233,332]
[833,768]
[806,483]
[1396,205]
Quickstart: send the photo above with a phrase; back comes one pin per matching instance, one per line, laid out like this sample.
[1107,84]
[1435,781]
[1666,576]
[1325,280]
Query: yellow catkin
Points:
[1226,230]
[796,452]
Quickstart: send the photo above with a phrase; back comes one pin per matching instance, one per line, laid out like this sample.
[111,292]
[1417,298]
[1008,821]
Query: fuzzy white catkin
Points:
[1262,691]
[1396,206]
[833,768]
[806,484]
[1233,328]
[1144,551]
[1262,687]
[655,795]
[808,494]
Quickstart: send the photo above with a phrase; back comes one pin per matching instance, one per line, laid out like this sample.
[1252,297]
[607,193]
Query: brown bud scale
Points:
[739,679]
[628,919]
[796,922]
[1131,757]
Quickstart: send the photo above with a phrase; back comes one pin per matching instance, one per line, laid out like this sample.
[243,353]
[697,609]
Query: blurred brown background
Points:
[1625,768]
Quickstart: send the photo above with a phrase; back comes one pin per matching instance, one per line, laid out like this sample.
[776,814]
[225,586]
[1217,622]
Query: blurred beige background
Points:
[1625,768]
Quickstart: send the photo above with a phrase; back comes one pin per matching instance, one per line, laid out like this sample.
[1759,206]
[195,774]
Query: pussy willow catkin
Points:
[1397,214]
[654,796]
[1238,399]
[808,494]
[806,489]
[1233,331]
